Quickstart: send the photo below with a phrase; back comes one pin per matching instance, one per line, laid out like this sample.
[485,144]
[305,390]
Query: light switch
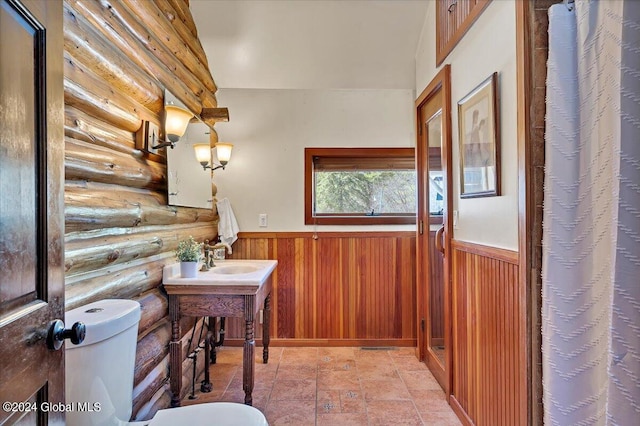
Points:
[262,220]
[455,218]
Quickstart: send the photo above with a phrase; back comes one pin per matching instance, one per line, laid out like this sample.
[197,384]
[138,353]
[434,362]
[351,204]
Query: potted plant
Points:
[189,253]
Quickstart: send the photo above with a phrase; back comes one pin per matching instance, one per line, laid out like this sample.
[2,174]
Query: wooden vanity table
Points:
[232,290]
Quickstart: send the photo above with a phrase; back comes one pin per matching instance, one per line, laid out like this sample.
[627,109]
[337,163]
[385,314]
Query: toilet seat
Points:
[212,413]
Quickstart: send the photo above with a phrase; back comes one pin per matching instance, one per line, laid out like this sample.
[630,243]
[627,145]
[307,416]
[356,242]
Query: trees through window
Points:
[360,185]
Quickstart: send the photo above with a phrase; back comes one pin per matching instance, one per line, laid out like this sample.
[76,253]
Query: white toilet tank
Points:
[99,371]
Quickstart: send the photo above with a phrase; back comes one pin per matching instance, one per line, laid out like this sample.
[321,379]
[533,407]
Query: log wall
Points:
[119,57]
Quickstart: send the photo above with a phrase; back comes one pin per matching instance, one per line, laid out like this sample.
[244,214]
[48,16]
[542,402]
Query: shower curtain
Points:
[591,218]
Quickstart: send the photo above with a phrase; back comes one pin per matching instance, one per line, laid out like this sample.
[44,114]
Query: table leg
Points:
[247,362]
[175,352]
[266,323]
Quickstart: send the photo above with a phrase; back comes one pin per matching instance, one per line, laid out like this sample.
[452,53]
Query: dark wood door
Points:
[31,210]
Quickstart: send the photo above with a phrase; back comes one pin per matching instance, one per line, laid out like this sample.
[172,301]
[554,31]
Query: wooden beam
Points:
[214,115]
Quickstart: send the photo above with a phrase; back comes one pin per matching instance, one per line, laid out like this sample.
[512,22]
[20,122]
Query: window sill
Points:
[360,220]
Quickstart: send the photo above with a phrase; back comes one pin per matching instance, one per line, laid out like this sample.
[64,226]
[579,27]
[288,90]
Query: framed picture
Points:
[480,141]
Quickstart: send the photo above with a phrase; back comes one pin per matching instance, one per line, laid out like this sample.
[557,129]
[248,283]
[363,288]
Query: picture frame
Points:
[479,141]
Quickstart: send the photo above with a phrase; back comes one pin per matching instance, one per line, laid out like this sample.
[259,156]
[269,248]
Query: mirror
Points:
[189,185]
[437,200]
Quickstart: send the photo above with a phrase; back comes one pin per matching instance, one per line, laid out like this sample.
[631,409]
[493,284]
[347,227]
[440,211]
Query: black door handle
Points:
[57,333]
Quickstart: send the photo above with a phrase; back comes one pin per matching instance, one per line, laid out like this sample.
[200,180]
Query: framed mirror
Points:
[188,184]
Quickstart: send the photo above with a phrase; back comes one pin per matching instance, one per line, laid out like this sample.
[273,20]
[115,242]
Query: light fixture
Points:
[203,155]
[176,120]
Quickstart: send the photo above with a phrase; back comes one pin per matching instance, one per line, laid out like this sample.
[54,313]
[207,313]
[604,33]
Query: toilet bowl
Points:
[99,375]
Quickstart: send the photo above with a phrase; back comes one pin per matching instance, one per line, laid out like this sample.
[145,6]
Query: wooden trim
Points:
[530,380]
[460,31]
[404,343]
[347,234]
[440,86]
[504,255]
[460,412]
[310,218]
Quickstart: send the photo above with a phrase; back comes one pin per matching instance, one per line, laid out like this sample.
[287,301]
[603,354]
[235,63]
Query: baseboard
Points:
[457,408]
[405,343]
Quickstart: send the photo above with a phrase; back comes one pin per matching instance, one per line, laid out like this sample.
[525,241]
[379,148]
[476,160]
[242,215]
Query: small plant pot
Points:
[188,269]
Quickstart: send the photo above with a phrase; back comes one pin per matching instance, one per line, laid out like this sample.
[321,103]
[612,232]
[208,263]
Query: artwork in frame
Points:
[478,127]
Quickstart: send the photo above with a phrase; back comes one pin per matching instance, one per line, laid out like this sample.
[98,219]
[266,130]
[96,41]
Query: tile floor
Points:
[334,386]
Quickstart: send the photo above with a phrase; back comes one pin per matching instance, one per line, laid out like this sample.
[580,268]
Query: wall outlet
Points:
[262,220]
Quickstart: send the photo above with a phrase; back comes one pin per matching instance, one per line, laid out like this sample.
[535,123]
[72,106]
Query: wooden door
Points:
[433,154]
[31,210]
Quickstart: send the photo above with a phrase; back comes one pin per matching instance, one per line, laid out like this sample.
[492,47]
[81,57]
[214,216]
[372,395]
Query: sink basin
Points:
[235,269]
[237,276]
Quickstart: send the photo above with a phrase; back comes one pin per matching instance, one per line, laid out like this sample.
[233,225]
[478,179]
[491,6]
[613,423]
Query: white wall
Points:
[270,129]
[487,47]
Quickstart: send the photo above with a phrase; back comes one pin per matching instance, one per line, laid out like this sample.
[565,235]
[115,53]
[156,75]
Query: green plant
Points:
[189,250]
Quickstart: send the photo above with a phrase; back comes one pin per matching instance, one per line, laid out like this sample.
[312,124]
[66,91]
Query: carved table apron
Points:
[200,301]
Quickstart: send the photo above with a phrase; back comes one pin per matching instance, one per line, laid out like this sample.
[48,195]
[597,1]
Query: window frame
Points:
[311,218]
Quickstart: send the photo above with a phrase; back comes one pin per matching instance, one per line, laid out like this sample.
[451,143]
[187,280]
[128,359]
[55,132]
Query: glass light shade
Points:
[203,153]
[223,150]
[176,121]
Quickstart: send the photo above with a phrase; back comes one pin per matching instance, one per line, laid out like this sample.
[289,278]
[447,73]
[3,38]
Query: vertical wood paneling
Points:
[339,286]
[486,335]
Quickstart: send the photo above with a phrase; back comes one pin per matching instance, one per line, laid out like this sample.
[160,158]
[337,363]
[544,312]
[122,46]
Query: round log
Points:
[78,73]
[85,161]
[77,97]
[149,385]
[116,24]
[116,282]
[96,253]
[184,14]
[161,399]
[93,206]
[151,349]
[81,126]
[158,23]
[154,307]
[183,30]
[84,44]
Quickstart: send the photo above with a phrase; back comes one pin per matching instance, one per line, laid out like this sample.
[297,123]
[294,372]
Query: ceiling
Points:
[311,44]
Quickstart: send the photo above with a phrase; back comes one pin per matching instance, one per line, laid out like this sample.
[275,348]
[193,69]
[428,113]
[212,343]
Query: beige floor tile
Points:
[297,372]
[298,413]
[342,419]
[309,386]
[385,389]
[419,380]
[328,401]
[393,413]
[294,390]
[373,371]
[299,356]
[352,401]
[437,418]
[429,400]
[336,379]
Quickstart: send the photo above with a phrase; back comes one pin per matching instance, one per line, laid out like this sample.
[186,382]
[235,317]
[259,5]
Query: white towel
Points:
[227,226]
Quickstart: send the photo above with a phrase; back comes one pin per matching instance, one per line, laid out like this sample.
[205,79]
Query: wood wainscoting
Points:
[486,334]
[339,289]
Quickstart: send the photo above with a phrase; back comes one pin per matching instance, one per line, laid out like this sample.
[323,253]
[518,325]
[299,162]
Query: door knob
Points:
[57,333]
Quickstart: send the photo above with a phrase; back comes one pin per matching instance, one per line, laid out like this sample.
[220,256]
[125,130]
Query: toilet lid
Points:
[212,413]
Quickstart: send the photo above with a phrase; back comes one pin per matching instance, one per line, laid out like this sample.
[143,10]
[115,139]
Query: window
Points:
[360,186]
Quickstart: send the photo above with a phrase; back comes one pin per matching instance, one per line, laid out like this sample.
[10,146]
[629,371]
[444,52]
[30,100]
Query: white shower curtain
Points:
[591,220]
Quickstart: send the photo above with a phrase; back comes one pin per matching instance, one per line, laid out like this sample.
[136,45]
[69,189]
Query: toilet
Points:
[99,375]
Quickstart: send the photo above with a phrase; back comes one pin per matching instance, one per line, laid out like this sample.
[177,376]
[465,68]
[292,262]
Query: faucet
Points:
[209,250]
[220,244]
